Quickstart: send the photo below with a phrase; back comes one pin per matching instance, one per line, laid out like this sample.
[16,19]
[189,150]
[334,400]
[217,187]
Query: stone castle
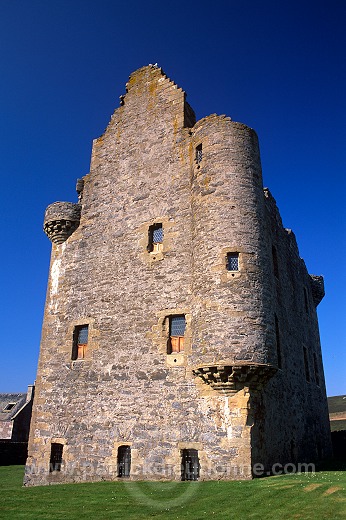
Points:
[180,339]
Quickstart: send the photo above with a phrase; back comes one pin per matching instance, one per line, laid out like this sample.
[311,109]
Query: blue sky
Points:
[278,66]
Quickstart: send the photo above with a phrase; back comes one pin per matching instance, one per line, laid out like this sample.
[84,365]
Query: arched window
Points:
[124,461]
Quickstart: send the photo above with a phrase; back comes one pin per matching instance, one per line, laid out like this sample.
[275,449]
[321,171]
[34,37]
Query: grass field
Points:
[315,496]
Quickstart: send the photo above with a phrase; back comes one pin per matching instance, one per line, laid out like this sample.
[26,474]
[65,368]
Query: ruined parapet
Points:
[272,208]
[150,83]
[61,219]
[80,189]
[317,288]
[229,379]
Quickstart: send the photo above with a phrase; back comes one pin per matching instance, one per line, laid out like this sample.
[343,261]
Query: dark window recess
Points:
[155,238]
[124,461]
[80,341]
[306,364]
[189,465]
[177,326]
[275,262]
[55,456]
[317,375]
[278,344]
[232,262]
[9,407]
[306,301]
[199,153]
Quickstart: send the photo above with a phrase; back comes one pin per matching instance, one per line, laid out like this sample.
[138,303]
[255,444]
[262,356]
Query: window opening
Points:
[317,375]
[306,364]
[80,341]
[177,326]
[55,456]
[232,262]
[189,465]
[306,301]
[155,241]
[275,262]
[9,407]
[278,344]
[199,153]
[124,461]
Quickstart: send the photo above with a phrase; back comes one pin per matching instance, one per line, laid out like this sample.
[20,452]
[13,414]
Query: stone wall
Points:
[6,428]
[128,389]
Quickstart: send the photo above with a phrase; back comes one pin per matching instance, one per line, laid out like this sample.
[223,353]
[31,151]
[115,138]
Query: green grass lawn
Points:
[314,496]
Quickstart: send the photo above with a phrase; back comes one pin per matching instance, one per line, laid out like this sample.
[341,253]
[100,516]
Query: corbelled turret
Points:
[61,219]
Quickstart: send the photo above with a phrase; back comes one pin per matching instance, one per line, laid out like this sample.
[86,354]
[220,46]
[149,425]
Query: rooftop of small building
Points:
[10,404]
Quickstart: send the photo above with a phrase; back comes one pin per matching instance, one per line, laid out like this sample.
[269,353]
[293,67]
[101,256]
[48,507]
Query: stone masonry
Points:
[172,227]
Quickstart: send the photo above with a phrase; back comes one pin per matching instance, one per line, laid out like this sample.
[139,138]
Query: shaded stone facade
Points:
[243,382]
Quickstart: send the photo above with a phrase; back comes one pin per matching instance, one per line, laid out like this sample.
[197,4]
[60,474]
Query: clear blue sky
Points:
[278,66]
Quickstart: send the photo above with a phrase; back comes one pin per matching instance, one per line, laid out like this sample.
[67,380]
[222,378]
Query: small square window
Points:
[80,342]
[232,262]
[177,326]
[9,407]
[199,153]
[155,238]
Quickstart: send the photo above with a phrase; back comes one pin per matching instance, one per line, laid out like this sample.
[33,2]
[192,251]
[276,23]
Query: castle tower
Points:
[180,337]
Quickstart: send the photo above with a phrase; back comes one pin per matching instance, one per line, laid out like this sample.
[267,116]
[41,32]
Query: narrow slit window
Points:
[155,240]
[55,456]
[306,301]
[80,342]
[177,326]
[199,153]
[275,262]
[190,465]
[124,461]
[317,375]
[278,343]
[232,263]
[306,364]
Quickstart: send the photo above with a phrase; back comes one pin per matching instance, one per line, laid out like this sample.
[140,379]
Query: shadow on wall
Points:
[339,445]
[13,453]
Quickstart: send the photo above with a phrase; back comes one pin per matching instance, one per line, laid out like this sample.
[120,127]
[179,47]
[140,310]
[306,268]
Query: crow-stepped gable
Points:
[180,338]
